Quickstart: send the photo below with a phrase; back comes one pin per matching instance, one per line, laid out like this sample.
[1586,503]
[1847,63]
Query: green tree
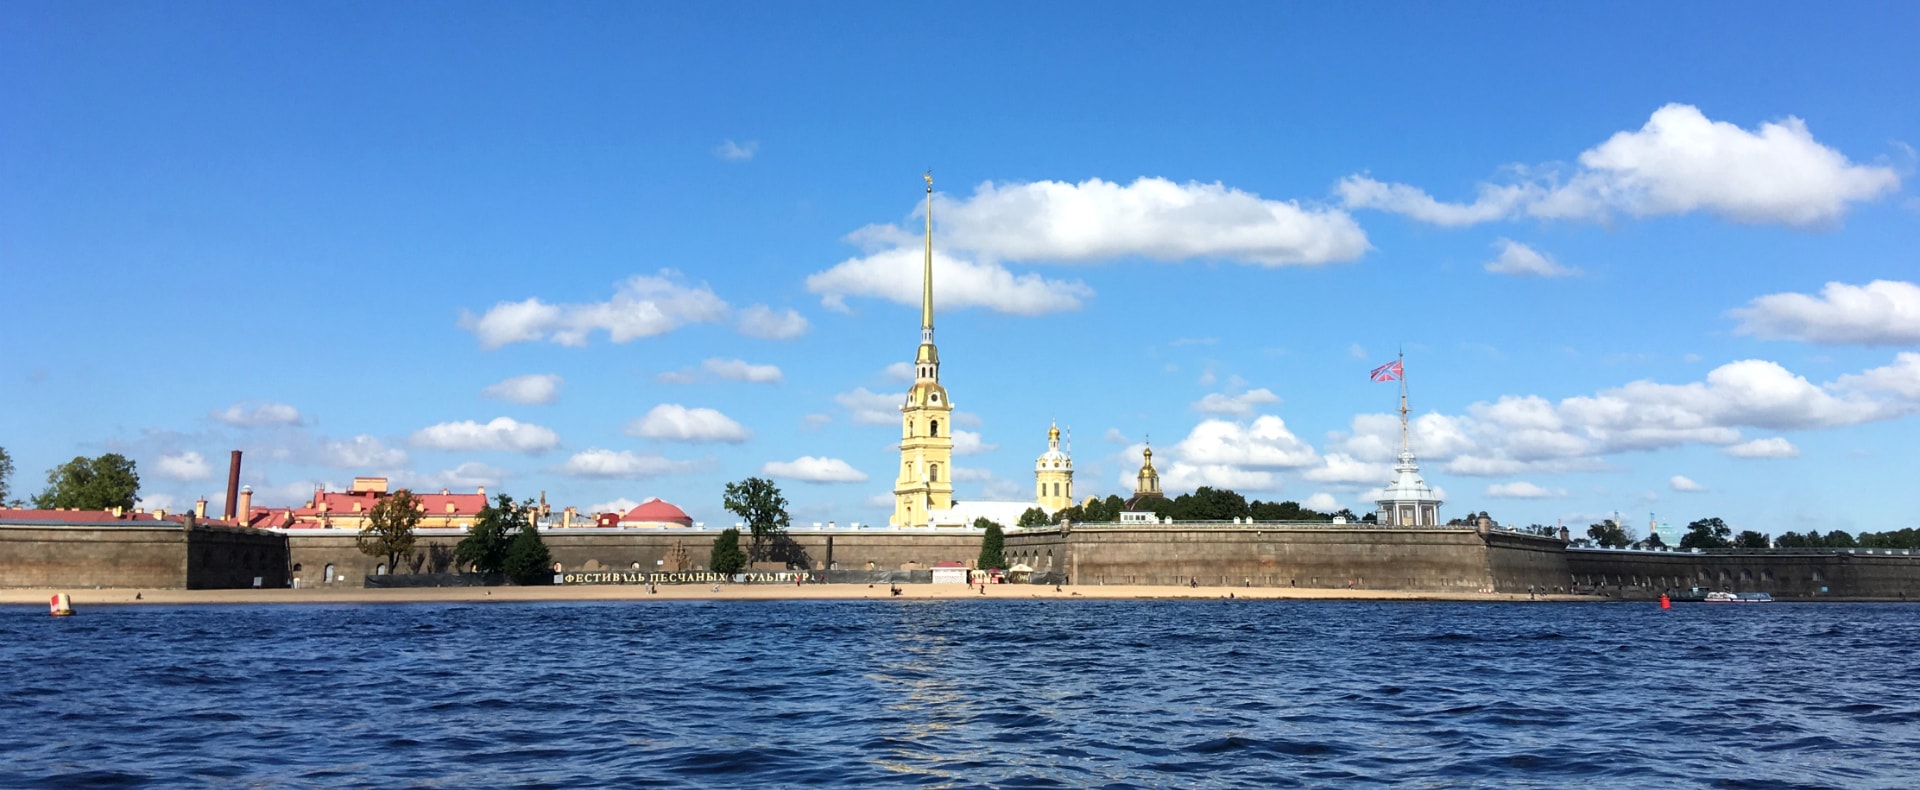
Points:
[758,502]
[1071,513]
[1608,535]
[1101,510]
[726,556]
[389,529]
[6,475]
[993,547]
[1033,517]
[1839,539]
[1207,503]
[91,484]
[1749,539]
[1707,533]
[485,547]
[527,560]
[1908,538]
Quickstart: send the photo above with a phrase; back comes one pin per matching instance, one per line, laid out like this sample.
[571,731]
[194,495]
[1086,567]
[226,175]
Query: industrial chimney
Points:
[233,486]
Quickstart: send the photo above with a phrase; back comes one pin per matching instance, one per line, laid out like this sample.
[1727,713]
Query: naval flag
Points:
[1392,371]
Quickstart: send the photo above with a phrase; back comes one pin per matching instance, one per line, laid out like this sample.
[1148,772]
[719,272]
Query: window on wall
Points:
[933,428]
[1056,489]
[933,473]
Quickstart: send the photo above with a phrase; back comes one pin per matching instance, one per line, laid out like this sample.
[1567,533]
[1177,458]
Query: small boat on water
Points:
[1699,595]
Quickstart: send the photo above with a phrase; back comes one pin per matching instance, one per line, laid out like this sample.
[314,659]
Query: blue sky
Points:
[1640,258]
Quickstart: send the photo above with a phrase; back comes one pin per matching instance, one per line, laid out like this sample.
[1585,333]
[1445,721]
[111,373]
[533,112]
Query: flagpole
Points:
[1402,364]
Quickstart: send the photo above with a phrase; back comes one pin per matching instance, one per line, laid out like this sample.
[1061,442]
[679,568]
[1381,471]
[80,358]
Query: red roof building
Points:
[655,512]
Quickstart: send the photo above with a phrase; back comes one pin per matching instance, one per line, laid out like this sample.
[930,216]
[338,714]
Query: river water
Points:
[964,694]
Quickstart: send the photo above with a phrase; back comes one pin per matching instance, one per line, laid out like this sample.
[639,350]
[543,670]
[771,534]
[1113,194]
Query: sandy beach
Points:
[736,592]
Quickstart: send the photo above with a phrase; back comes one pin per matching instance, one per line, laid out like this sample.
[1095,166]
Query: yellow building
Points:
[1146,484]
[925,484]
[1053,475]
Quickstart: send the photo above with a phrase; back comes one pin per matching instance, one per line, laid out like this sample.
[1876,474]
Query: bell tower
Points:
[1053,475]
[925,482]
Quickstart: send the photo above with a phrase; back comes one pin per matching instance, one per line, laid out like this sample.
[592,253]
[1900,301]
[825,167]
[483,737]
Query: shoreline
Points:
[738,592]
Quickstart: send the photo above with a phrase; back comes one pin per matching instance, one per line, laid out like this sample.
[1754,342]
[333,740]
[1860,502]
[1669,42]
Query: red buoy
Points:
[62,606]
[1665,603]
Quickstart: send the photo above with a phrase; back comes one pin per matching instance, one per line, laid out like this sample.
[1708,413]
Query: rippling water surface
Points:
[964,693]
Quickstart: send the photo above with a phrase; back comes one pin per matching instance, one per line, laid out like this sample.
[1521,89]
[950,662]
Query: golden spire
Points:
[926,281]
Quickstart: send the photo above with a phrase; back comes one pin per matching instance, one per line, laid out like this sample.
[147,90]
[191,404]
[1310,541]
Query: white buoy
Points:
[62,606]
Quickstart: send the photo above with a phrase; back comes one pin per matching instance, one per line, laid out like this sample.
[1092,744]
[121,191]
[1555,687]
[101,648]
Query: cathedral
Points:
[923,491]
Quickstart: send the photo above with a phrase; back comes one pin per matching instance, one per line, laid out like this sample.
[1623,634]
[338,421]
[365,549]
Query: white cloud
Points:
[624,464]
[740,370]
[1678,163]
[1524,261]
[1521,489]
[1882,312]
[643,306]
[465,476]
[1684,485]
[256,415]
[502,433]
[809,469]
[1264,444]
[676,423]
[1183,476]
[677,377]
[533,389]
[1344,468]
[1772,447]
[186,466]
[1521,434]
[1900,379]
[1092,221]
[894,275]
[737,152]
[899,371]
[764,322]
[969,443]
[618,505]
[816,420]
[967,419]
[1155,218]
[968,474]
[1240,405]
[1114,435]
[362,452]
[1322,502]
[870,408]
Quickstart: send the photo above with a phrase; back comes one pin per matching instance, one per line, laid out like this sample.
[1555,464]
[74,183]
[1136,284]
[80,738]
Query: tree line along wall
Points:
[312,551]
[163,556]
[1782,573]
[1278,556]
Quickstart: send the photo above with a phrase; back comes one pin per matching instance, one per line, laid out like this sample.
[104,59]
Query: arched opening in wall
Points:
[1819,577]
[1725,577]
[636,565]
[1746,576]
[933,427]
[296,567]
[1766,575]
[380,570]
[557,567]
[592,565]
[329,573]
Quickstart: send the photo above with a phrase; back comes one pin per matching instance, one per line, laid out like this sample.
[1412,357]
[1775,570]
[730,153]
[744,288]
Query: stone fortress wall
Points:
[150,555]
[161,556]
[1293,555]
[1783,573]
[311,551]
